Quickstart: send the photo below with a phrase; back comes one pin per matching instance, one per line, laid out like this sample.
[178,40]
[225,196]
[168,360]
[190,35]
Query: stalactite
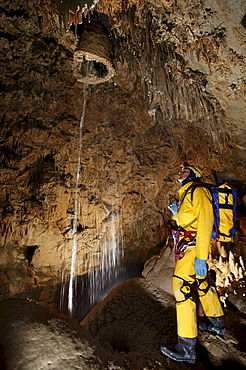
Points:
[175,101]
[131,21]
[203,103]
[163,87]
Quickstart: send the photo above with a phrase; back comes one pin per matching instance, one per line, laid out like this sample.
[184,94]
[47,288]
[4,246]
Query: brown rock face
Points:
[31,336]
[177,93]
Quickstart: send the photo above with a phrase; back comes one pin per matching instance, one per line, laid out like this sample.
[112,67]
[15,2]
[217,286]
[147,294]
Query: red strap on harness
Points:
[189,234]
[181,238]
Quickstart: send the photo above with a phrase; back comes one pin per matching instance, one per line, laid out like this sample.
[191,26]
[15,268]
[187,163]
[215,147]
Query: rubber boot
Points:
[184,351]
[214,325]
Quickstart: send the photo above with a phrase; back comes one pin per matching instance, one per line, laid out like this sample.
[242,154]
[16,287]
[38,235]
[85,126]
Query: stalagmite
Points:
[240,273]
[227,281]
[231,261]
[241,263]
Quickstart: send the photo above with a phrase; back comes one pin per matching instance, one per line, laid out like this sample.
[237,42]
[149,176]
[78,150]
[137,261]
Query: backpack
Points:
[224,206]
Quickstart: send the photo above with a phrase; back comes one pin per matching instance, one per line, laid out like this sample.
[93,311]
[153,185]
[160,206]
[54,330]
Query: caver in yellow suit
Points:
[195,219]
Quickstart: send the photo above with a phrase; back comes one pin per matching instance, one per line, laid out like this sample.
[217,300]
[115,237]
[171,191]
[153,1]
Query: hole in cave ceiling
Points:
[93,56]
[96,69]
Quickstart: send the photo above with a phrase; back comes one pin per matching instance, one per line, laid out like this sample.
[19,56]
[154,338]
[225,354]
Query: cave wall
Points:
[177,93]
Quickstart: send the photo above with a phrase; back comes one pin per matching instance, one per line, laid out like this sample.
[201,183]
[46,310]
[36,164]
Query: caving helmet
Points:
[195,173]
[194,169]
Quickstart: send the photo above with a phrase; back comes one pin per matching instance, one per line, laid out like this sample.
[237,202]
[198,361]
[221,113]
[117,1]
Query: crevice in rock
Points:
[28,252]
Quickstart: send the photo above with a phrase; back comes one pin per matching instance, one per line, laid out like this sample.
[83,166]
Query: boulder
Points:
[35,337]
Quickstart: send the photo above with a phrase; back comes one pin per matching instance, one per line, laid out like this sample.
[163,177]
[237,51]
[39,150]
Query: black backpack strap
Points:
[184,195]
[194,187]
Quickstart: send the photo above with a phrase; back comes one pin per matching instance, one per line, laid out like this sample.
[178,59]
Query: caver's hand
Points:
[173,206]
[200,267]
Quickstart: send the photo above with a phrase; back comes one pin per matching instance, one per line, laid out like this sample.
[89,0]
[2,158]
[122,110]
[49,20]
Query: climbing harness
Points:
[185,289]
[203,286]
[183,239]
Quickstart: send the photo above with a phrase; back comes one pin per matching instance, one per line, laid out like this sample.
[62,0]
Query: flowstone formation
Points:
[176,93]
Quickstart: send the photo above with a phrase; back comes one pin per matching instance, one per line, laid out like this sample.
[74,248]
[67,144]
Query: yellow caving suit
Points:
[196,216]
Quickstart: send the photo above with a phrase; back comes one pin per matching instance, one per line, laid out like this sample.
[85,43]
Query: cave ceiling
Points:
[177,93]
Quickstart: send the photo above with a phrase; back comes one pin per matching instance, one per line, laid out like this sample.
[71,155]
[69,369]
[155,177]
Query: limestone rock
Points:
[33,336]
[137,317]
[177,94]
[237,302]
[123,332]
[134,318]
[159,269]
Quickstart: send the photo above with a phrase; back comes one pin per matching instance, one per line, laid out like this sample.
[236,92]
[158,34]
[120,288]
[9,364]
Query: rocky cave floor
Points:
[124,331]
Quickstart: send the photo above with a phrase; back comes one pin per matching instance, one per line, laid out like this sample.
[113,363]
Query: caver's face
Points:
[183,174]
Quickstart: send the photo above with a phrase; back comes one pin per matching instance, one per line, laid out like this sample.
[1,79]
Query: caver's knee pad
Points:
[181,289]
[203,286]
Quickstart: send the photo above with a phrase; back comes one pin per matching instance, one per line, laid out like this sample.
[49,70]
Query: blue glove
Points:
[173,206]
[200,267]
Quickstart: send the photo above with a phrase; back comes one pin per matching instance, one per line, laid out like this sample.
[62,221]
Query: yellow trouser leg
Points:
[209,299]
[187,319]
[184,277]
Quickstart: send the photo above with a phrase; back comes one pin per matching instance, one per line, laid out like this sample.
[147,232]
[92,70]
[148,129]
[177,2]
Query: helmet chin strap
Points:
[192,177]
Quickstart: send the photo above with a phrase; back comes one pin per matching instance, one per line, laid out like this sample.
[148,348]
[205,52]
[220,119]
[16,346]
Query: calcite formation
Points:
[92,58]
[177,93]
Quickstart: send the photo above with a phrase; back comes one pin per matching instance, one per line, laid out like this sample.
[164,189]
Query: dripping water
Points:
[93,275]
[100,269]
[75,219]
[108,270]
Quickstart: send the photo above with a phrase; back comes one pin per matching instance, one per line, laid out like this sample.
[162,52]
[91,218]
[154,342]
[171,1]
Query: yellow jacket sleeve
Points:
[203,210]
